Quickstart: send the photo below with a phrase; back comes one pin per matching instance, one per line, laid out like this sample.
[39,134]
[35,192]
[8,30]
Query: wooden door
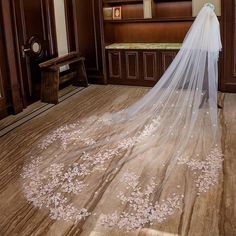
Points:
[35,41]
[85,34]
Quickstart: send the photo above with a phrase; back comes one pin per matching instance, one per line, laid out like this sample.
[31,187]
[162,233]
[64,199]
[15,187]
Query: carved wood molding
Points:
[129,69]
[151,65]
[114,64]
[166,57]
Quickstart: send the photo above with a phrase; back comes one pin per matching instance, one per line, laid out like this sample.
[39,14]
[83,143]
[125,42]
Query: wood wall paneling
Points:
[228,80]
[3,99]
[4,83]
[14,96]
[147,32]
[175,9]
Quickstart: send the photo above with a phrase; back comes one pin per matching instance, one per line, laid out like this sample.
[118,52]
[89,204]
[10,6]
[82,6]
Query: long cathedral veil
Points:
[141,150]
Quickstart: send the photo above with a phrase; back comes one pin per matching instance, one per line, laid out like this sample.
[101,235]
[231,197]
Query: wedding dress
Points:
[144,159]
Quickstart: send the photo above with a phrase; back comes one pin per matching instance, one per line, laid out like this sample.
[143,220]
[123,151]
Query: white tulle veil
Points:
[143,149]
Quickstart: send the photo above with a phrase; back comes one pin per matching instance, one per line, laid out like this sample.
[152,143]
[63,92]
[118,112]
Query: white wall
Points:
[198,4]
[61,27]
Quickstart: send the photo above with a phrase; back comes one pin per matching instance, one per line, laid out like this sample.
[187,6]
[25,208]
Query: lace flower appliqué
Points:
[206,171]
[142,210]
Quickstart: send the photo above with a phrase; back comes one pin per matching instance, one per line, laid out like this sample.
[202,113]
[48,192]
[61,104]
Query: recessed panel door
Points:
[35,42]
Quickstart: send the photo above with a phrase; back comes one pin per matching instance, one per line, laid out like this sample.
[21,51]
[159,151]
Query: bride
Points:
[141,164]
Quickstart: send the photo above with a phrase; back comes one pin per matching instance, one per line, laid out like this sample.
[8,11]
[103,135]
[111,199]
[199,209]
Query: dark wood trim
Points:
[228,25]
[103,53]
[18,53]
[184,19]
[49,11]
[13,71]
[70,27]
[3,100]
[4,81]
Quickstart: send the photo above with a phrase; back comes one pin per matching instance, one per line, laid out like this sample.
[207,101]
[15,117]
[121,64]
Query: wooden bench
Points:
[51,77]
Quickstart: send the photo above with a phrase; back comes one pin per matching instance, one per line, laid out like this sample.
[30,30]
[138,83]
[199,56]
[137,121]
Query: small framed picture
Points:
[116,13]
[107,13]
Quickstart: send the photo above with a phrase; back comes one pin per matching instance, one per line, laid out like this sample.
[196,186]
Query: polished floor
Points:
[212,216]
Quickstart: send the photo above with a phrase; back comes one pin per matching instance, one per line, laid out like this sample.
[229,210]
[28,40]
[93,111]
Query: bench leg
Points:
[81,77]
[50,86]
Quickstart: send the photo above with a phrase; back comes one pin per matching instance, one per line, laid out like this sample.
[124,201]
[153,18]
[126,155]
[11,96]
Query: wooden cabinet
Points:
[138,67]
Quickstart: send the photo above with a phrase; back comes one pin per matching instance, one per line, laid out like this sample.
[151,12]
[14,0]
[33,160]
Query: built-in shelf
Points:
[138,50]
[143,46]
[151,20]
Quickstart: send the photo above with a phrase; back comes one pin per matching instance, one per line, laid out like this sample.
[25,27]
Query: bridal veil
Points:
[145,159]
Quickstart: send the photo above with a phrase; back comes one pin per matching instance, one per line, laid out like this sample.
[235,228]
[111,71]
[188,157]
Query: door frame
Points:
[50,31]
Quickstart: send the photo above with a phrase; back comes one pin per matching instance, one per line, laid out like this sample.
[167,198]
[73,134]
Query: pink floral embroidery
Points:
[142,210]
[52,186]
[208,169]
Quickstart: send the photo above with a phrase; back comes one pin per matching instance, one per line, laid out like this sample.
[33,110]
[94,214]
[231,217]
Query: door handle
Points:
[24,51]
[27,49]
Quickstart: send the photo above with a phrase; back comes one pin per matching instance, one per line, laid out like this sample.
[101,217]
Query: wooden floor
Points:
[18,217]
[33,108]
